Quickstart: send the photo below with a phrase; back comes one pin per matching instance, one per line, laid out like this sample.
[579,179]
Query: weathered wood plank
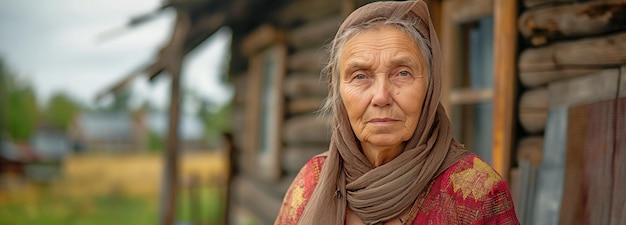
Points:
[294,157]
[533,110]
[618,207]
[549,185]
[307,129]
[304,85]
[598,52]
[304,105]
[570,21]
[599,156]
[537,78]
[594,87]
[316,33]
[572,204]
[309,60]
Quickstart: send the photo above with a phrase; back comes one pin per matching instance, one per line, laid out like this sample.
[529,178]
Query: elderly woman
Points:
[392,158]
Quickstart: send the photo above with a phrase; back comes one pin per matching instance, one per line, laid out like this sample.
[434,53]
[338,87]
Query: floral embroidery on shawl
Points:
[300,191]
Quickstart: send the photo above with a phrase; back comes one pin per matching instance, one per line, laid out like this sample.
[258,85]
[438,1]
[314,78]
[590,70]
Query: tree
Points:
[61,110]
[19,105]
[215,122]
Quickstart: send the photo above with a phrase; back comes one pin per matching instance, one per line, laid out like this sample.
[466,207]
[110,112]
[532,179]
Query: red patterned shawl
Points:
[468,192]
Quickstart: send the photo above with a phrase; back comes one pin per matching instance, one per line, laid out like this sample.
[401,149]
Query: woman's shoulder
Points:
[472,177]
[300,191]
[469,192]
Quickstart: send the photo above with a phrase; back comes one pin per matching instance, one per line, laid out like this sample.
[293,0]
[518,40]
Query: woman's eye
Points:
[404,74]
[360,77]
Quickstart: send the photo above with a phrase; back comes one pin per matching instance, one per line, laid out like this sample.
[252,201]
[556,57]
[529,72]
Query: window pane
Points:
[473,122]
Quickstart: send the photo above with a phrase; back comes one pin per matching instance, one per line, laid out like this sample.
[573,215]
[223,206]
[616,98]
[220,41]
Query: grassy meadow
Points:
[116,189]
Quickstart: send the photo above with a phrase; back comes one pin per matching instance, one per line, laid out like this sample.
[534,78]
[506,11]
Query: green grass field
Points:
[114,190]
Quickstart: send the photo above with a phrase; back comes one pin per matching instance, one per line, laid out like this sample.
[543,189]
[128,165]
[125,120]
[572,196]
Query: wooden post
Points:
[170,181]
[505,21]
[172,58]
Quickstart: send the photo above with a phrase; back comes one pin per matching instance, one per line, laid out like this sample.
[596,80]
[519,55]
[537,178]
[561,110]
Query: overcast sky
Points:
[57,45]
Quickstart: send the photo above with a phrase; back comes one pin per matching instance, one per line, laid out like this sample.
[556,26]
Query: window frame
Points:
[454,14]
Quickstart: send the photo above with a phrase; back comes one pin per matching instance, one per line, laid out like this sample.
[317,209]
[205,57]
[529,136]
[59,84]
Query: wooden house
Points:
[535,87]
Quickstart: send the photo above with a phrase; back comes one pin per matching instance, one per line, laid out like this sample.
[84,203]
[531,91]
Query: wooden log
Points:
[316,33]
[533,110]
[570,21]
[533,3]
[597,52]
[303,11]
[537,78]
[294,157]
[308,129]
[304,105]
[264,205]
[260,38]
[530,149]
[304,85]
[310,60]
[593,87]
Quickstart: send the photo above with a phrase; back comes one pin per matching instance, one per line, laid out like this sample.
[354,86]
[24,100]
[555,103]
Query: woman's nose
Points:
[382,93]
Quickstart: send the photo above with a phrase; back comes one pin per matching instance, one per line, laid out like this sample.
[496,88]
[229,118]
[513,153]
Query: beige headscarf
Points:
[379,194]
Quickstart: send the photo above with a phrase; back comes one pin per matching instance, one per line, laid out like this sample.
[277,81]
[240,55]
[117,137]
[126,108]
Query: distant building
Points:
[125,131]
[112,131]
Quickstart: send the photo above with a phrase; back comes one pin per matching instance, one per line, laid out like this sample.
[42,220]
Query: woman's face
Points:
[383,81]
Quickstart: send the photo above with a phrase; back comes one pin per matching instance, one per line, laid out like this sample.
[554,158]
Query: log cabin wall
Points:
[304,28]
[573,53]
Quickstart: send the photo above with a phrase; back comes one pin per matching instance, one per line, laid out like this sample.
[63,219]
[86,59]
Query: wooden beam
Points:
[170,182]
[505,42]
[203,27]
[470,96]
[544,25]
[450,44]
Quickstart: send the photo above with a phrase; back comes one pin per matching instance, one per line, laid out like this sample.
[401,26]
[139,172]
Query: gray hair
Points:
[408,25]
